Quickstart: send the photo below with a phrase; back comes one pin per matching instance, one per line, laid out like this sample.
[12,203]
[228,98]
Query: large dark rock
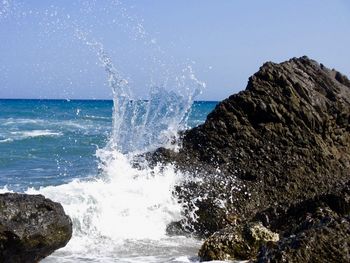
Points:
[277,152]
[31,228]
[286,138]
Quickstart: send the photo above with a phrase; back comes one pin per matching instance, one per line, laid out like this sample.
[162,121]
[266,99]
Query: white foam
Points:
[79,124]
[122,206]
[36,133]
[12,121]
[5,190]
[97,117]
[6,140]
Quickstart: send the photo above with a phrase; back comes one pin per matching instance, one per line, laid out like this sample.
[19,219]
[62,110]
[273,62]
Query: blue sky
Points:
[151,41]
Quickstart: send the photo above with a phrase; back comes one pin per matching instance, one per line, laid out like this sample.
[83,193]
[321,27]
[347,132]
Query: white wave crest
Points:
[6,140]
[12,121]
[97,117]
[124,204]
[36,133]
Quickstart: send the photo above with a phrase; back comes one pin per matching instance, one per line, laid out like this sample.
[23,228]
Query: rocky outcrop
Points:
[314,230]
[31,228]
[283,140]
[286,138]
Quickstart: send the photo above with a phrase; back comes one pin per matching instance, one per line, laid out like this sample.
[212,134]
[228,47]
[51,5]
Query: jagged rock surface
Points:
[31,228]
[237,242]
[284,139]
[276,152]
[314,230]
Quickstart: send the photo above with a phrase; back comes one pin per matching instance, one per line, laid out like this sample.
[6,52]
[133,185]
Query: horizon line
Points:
[68,100]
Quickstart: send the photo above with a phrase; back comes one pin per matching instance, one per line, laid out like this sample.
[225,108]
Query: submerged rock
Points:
[283,141]
[31,227]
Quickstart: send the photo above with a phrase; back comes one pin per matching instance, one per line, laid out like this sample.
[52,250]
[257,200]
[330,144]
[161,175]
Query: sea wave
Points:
[6,140]
[36,133]
[122,207]
[12,121]
[97,117]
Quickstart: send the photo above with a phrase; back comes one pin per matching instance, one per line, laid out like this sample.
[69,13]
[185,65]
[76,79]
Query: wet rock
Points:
[277,152]
[31,228]
[315,230]
[302,215]
[237,243]
[286,138]
[326,243]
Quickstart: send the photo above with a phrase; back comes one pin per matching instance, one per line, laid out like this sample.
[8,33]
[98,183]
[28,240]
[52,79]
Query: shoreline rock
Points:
[238,242]
[314,230]
[282,141]
[31,227]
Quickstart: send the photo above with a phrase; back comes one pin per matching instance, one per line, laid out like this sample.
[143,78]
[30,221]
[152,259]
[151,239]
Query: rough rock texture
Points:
[315,230]
[284,142]
[286,138]
[31,228]
[238,242]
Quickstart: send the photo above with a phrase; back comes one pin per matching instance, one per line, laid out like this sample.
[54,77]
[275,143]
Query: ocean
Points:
[68,151]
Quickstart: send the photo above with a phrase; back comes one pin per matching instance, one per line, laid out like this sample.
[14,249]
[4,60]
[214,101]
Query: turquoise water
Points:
[51,142]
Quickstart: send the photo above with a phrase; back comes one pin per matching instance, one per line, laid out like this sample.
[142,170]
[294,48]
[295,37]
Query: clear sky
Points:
[150,41]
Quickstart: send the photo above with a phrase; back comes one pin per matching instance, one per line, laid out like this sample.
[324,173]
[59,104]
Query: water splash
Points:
[125,207]
[144,125]
[138,203]
[4,8]
[126,204]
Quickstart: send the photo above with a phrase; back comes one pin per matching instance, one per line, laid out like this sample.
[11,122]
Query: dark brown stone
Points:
[284,139]
[31,228]
[277,152]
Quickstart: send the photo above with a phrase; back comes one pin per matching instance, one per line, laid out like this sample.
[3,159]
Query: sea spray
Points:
[124,207]
[4,7]
[124,211]
[125,204]
[144,125]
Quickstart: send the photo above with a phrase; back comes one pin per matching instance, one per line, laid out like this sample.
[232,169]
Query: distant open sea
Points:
[51,142]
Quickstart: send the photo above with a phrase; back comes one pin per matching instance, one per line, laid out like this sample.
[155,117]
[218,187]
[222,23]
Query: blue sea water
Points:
[80,153]
[59,147]
[51,142]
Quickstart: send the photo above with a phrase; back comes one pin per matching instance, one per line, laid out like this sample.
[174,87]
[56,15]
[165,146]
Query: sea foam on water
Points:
[124,211]
[121,214]
[123,204]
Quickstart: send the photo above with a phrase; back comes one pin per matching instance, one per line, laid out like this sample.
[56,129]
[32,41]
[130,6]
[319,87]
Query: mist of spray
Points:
[125,203]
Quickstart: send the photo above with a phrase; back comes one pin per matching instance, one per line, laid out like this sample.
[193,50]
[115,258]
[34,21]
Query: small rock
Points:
[260,234]
[31,228]
[237,243]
